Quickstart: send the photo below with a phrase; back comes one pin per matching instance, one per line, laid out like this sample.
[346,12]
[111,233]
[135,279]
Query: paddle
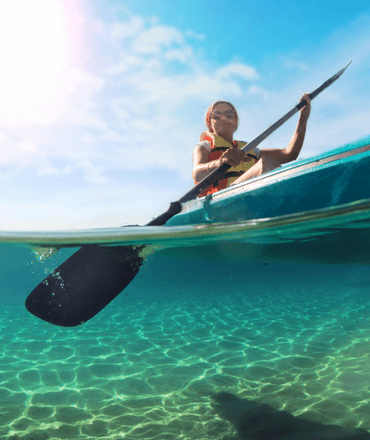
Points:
[94,275]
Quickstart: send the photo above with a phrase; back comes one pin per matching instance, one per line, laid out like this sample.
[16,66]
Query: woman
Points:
[217,146]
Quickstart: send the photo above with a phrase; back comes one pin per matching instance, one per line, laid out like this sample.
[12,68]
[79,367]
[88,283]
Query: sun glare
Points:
[34,50]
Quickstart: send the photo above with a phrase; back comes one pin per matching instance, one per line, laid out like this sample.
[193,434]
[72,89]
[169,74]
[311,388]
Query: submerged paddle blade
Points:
[84,284]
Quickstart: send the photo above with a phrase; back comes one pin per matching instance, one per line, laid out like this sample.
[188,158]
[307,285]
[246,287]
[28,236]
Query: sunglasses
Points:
[229,114]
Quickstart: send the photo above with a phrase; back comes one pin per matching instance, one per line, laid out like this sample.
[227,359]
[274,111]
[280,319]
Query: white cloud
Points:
[255,90]
[290,64]
[153,40]
[191,34]
[181,55]
[93,173]
[19,154]
[238,70]
[127,30]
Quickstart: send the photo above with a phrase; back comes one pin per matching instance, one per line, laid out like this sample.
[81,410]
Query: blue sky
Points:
[102,102]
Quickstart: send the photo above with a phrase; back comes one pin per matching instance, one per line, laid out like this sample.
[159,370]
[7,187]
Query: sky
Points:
[101,103]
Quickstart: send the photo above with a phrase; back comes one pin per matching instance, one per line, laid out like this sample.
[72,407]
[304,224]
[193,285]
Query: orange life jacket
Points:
[218,147]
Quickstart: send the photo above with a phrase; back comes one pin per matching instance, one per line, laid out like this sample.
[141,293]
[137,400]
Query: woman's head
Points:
[219,114]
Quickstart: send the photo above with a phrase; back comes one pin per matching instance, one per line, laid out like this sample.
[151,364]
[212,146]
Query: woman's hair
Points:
[207,116]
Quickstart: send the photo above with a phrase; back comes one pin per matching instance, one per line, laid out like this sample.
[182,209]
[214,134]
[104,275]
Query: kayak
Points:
[335,178]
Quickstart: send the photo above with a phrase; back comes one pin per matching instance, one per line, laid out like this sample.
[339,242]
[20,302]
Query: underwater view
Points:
[185,238]
[201,344]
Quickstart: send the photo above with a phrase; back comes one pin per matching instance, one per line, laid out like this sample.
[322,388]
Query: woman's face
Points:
[223,120]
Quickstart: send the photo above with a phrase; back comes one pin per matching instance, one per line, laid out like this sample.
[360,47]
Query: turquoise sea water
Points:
[201,318]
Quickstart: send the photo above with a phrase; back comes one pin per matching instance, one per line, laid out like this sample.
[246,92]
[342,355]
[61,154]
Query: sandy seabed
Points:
[148,369]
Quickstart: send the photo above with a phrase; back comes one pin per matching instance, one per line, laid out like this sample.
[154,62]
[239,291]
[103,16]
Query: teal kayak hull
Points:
[335,178]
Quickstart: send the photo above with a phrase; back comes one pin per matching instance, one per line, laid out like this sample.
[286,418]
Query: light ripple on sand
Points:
[152,378]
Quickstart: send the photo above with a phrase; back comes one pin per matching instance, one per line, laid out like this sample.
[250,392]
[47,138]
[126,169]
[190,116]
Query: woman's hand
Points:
[232,157]
[305,111]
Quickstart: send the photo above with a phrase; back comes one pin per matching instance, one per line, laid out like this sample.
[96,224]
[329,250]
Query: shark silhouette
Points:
[262,422]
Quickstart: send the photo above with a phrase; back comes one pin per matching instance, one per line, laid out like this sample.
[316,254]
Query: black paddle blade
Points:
[84,284]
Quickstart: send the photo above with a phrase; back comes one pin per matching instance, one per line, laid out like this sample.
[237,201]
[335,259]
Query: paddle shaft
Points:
[217,174]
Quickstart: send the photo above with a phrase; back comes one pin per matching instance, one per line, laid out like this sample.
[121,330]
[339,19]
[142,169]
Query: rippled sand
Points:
[148,369]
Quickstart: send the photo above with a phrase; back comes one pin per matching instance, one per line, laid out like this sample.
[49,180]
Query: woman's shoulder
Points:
[204,144]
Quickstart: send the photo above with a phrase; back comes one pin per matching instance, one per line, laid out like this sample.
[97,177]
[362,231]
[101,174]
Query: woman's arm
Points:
[291,152]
